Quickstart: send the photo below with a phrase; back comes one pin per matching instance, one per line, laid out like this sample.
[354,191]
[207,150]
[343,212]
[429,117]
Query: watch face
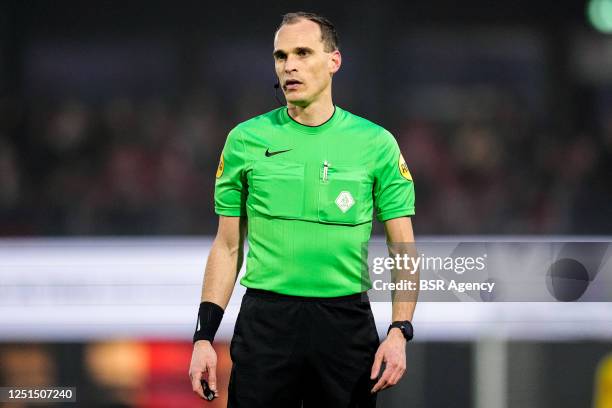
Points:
[406,331]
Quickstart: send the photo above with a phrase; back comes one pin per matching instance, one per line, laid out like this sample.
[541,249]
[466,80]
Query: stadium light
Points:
[599,14]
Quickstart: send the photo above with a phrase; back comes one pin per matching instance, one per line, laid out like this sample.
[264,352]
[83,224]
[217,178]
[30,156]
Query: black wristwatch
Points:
[405,327]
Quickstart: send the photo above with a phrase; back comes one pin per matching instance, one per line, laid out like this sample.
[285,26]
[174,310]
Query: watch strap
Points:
[405,327]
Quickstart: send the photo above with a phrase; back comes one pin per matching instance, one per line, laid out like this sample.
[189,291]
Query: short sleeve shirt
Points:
[309,194]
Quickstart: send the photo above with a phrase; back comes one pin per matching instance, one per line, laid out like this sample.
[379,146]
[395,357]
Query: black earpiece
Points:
[276,88]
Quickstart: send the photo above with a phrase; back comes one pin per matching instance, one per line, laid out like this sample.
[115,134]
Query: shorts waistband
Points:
[360,296]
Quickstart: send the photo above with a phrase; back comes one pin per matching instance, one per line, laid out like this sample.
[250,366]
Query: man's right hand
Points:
[203,360]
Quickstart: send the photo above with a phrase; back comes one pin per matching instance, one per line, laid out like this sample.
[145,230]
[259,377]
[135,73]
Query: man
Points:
[303,181]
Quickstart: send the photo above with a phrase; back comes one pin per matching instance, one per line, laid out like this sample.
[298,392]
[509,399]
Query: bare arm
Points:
[392,350]
[399,232]
[224,261]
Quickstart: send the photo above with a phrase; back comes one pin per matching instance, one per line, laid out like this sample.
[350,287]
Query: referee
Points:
[304,181]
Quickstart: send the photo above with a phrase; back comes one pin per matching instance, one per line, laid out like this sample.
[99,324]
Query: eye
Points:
[302,53]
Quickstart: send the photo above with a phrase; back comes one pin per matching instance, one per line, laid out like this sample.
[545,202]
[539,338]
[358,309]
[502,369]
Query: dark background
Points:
[113,114]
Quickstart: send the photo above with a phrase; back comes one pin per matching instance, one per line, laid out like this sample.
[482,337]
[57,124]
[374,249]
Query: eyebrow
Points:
[281,53]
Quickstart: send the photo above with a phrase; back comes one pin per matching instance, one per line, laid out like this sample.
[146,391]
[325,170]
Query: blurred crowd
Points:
[137,167]
[505,174]
[125,167]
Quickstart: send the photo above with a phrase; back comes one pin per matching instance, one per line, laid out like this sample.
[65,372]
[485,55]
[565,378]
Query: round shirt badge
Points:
[403,168]
[221,167]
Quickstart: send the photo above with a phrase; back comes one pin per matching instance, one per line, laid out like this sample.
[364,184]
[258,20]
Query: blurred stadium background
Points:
[112,118]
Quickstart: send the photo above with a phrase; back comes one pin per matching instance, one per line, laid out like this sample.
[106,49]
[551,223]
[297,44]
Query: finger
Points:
[393,379]
[212,377]
[379,385]
[384,379]
[376,366]
[397,376]
[195,384]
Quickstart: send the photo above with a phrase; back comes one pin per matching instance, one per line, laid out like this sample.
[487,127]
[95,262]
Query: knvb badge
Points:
[345,201]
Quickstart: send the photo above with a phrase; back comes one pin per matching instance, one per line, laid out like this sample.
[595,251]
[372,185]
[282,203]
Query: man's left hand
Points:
[393,352]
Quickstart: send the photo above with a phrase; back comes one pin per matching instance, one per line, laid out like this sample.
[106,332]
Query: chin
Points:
[298,100]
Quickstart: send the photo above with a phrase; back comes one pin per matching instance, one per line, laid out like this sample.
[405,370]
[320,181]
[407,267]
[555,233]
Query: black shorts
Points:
[290,352]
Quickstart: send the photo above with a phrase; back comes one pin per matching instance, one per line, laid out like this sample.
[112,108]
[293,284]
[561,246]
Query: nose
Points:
[290,64]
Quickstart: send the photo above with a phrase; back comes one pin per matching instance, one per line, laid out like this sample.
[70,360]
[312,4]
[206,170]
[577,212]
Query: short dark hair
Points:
[329,36]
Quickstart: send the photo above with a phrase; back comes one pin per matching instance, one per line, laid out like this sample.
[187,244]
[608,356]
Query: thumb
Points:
[195,384]
[376,366]
[212,377]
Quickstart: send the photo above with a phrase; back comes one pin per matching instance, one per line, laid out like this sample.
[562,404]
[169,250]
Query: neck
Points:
[314,114]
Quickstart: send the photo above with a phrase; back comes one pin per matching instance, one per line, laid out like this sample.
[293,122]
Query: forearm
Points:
[400,241]
[223,265]
[403,310]
[404,301]
[220,274]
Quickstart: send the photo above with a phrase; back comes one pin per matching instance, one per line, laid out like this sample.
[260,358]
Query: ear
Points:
[334,62]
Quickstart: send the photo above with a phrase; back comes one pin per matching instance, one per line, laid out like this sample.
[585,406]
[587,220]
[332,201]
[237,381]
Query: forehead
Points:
[304,33]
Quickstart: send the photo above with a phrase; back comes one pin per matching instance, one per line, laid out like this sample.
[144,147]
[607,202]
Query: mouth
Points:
[291,84]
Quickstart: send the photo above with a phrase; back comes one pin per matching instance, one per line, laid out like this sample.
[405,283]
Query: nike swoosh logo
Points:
[269,153]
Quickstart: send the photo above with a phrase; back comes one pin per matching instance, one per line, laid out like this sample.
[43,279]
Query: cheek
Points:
[323,77]
[320,75]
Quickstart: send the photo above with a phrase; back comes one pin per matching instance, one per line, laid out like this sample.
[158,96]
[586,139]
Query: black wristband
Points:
[209,319]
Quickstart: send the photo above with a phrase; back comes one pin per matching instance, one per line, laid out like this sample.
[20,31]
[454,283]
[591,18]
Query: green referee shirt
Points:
[309,193]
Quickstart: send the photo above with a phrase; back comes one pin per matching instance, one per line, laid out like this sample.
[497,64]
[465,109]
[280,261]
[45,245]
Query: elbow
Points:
[229,247]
